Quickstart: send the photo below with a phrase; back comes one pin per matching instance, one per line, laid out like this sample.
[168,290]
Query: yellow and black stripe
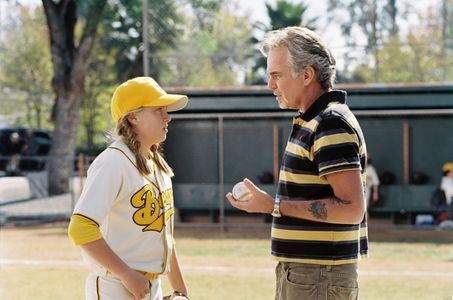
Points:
[325,139]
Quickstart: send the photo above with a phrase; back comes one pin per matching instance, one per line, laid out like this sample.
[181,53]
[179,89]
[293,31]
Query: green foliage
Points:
[283,15]
[212,50]
[206,42]
[418,57]
[376,20]
[117,56]
[395,64]
[123,29]
[286,14]
[213,44]
[208,5]
[424,53]
[95,119]
[25,68]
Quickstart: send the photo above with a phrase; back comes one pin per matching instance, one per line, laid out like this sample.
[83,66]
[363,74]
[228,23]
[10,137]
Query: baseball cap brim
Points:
[172,102]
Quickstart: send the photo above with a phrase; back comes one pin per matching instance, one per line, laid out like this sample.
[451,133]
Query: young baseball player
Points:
[123,220]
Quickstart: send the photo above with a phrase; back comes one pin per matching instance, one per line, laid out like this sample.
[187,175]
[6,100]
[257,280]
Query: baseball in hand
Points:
[241,192]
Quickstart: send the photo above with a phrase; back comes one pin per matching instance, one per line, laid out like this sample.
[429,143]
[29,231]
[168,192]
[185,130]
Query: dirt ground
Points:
[376,232]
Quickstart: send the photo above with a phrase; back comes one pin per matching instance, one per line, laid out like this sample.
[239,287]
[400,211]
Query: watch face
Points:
[276,211]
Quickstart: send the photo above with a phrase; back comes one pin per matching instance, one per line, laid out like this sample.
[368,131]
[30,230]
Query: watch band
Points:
[276,212]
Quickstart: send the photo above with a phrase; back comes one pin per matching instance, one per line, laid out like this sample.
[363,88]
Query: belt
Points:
[150,276]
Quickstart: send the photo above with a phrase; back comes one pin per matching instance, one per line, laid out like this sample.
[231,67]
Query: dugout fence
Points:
[224,136]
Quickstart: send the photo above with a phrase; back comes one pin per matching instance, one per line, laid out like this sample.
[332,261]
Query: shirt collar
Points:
[321,103]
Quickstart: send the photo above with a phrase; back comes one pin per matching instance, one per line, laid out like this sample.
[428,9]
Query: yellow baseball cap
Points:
[143,92]
[447,167]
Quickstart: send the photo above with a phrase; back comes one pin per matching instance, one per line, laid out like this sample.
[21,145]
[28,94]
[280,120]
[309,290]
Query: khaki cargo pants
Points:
[297,281]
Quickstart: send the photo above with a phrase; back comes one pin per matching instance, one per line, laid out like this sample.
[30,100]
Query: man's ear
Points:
[308,75]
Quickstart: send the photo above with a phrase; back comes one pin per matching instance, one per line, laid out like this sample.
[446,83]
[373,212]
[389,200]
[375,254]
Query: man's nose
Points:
[271,84]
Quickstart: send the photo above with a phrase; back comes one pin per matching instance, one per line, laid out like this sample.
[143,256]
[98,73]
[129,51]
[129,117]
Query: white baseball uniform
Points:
[134,214]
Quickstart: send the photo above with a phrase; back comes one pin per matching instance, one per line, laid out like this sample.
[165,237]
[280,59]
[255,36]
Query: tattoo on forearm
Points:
[336,200]
[318,209]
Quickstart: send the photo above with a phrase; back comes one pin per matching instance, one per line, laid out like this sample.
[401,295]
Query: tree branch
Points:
[89,31]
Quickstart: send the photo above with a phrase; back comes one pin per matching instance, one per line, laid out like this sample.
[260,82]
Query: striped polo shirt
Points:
[325,139]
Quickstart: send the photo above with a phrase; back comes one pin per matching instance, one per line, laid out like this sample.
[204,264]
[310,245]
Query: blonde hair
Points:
[125,130]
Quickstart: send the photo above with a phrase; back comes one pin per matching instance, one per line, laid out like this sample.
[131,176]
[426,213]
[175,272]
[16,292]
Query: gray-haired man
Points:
[319,229]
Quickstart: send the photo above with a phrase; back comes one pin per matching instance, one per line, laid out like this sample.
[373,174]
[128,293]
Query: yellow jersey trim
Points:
[83,230]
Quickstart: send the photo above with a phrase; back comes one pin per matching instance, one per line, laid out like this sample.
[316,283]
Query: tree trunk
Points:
[28,113]
[38,111]
[69,64]
[91,112]
[36,104]
[444,36]
[64,141]
[392,12]
[374,39]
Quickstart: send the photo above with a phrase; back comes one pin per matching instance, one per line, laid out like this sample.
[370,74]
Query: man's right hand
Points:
[260,201]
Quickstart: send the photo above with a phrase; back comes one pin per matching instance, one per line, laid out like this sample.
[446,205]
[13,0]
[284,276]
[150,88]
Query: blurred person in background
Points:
[446,186]
[372,184]
[15,149]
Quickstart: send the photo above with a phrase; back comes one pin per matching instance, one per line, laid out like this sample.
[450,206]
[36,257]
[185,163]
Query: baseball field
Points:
[39,262]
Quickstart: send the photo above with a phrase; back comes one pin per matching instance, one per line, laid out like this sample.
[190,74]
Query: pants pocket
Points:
[110,288]
[342,293]
[300,285]
[301,291]
[107,288]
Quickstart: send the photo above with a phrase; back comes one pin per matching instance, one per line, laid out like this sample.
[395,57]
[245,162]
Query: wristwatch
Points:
[276,212]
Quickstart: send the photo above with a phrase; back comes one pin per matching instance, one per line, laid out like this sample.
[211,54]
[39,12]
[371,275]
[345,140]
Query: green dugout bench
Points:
[405,201]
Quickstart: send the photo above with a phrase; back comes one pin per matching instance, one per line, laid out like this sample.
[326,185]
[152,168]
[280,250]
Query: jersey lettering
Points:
[150,212]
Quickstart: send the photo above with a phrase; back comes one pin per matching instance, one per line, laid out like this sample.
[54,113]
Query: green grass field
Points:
[41,263]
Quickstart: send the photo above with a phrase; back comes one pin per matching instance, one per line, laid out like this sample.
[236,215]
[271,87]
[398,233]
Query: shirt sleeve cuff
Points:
[83,230]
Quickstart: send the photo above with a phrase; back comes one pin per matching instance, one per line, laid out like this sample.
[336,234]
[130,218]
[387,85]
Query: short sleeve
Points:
[83,230]
[336,146]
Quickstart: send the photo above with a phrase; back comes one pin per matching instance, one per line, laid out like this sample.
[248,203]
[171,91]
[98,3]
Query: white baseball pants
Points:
[107,287]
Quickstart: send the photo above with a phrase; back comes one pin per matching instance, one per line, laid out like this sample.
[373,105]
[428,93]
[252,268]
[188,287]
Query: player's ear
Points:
[132,118]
